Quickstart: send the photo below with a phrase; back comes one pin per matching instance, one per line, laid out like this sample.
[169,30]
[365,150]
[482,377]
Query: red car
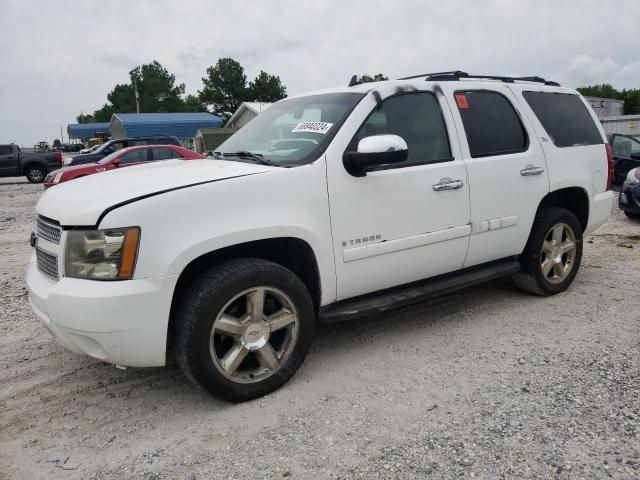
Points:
[122,158]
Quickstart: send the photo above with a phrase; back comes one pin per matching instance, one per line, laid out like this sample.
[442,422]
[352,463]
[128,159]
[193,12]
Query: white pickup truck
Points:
[326,206]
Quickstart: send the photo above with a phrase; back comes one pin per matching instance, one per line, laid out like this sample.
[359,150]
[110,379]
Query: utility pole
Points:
[135,89]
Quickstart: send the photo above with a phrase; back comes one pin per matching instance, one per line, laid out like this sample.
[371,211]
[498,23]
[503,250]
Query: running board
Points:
[416,292]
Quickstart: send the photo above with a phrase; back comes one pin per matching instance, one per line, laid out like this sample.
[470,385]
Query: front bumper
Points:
[120,322]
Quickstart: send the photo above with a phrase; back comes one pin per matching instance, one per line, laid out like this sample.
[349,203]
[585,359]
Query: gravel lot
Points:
[488,383]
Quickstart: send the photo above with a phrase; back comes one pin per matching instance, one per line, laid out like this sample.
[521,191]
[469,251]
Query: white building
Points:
[246,112]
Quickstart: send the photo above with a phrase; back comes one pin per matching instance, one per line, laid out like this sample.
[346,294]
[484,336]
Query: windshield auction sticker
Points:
[313,127]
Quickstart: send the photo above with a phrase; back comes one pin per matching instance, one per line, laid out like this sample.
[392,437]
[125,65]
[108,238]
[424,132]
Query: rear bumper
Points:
[121,322]
[599,210]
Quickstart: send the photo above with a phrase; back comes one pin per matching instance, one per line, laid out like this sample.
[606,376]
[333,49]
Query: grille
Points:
[48,231]
[47,264]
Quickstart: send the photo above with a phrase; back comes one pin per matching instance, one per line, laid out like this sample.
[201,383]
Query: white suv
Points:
[326,206]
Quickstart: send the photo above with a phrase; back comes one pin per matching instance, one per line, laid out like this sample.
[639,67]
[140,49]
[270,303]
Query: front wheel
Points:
[632,216]
[35,173]
[552,256]
[243,328]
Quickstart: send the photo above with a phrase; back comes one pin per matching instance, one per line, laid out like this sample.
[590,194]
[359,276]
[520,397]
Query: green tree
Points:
[56,143]
[157,89]
[82,118]
[225,87]
[378,77]
[192,103]
[267,88]
[157,92]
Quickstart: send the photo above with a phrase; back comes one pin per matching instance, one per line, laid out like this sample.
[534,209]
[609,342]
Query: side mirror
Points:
[374,151]
[635,155]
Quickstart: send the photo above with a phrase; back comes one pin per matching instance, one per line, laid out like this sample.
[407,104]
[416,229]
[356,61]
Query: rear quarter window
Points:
[565,118]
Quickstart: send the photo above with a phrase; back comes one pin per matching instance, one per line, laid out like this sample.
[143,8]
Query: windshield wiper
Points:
[255,157]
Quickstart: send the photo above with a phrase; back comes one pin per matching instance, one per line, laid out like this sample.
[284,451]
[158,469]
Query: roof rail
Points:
[457,75]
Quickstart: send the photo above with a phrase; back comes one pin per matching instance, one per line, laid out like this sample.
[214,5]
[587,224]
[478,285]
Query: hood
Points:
[72,168]
[86,158]
[81,202]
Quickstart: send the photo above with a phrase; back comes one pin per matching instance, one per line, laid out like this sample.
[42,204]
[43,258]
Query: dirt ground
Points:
[488,383]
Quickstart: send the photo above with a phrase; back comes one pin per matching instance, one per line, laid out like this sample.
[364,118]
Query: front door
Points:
[9,161]
[401,222]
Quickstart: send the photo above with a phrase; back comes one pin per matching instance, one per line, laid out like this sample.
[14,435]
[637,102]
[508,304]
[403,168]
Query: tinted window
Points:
[134,156]
[416,118]
[491,123]
[6,150]
[164,154]
[565,118]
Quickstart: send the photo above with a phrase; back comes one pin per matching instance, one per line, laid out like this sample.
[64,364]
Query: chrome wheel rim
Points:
[254,334]
[558,253]
[35,175]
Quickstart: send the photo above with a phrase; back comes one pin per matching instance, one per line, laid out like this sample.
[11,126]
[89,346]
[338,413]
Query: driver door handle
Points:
[448,184]
[531,170]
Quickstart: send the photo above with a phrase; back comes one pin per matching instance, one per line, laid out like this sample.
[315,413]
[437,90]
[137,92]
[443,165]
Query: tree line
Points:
[630,96]
[225,87]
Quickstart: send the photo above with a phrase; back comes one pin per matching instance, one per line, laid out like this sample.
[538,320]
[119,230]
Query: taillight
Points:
[58,157]
[609,166]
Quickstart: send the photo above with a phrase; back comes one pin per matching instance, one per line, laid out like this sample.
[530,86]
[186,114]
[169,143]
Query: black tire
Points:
[35,173]
[207,297]
[632,216]
[531,278]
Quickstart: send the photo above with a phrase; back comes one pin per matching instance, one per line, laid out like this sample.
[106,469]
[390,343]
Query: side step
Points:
[416,292]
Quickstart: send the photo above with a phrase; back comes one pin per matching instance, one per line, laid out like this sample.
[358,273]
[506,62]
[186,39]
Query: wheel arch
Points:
[290,252]
[574,199]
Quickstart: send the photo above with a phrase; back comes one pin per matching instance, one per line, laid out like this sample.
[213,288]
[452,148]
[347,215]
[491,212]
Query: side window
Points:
[135,156]
[164,154]
[114,147]
[6,150]
[491,123]
[565,118]
[417,118]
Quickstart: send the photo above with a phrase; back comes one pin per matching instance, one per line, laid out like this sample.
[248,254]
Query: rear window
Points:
[491,123]
[565,118]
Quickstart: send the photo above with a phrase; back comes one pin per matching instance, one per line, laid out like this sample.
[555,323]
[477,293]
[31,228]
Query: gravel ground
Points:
[488,383]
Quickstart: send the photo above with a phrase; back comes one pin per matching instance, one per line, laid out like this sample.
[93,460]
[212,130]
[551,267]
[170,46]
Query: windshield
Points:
[108,158]
[294,131]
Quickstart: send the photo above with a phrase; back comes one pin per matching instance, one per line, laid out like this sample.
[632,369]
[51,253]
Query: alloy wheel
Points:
[254,334]
[558,253]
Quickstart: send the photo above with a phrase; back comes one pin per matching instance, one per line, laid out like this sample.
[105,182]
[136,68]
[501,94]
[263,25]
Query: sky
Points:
[62,57]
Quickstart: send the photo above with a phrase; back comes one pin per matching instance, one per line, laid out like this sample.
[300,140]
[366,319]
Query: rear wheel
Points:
[243,328]
[35,173]
[552,256]
[632,216]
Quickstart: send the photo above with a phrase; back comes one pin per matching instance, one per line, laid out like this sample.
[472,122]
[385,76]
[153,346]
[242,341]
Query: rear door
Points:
[506,168]
[163,154]
[9,161]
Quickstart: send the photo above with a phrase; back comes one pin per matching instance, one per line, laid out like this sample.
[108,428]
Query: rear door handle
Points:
[531,170]
[448,184]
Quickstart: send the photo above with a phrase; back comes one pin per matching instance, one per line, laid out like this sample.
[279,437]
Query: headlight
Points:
[102,254]
[56,179]
[631,178]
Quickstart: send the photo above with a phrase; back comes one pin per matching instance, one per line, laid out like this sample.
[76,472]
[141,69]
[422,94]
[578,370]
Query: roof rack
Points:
[457,75]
